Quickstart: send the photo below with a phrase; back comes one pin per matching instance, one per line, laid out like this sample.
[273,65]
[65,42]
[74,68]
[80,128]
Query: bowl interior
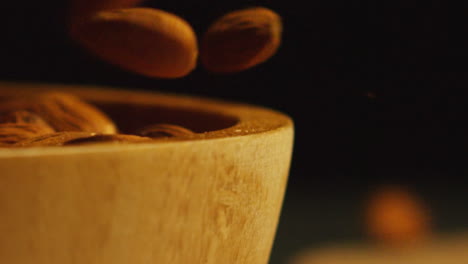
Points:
[131,115]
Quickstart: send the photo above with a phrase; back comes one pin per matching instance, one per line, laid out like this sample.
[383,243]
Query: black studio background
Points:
[376,91]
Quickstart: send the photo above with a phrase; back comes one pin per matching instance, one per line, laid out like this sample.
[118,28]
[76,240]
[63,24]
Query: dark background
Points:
[376,91]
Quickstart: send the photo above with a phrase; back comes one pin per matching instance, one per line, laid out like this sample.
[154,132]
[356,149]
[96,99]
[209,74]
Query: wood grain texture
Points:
[212,198]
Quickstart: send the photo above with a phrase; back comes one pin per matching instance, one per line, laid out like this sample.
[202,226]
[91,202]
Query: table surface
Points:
[310,220]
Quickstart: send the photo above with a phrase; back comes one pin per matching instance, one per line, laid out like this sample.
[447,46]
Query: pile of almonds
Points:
[147,41]
[62,119]
[155,43]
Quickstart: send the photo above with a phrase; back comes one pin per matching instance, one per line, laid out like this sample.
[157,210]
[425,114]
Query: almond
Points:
[240,40]
[146,41]
[164,130]
[66,112]
[23,117]
[53,139]
[115,138]
[11,133]
[63,112]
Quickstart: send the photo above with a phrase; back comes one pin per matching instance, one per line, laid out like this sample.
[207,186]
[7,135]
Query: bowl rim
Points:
[252,120]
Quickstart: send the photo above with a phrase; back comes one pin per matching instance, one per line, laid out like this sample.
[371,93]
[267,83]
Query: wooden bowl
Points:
[212,198]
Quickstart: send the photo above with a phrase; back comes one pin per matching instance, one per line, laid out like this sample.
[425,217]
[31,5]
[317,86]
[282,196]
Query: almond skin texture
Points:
[80,10]
[66,112]
[240,40]
[12,133]
[164,130]
[23,117]
[63,112]
[146,41]
[53,139]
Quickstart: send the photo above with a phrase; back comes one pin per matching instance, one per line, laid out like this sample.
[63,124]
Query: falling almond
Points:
[146,41]
[240,40]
